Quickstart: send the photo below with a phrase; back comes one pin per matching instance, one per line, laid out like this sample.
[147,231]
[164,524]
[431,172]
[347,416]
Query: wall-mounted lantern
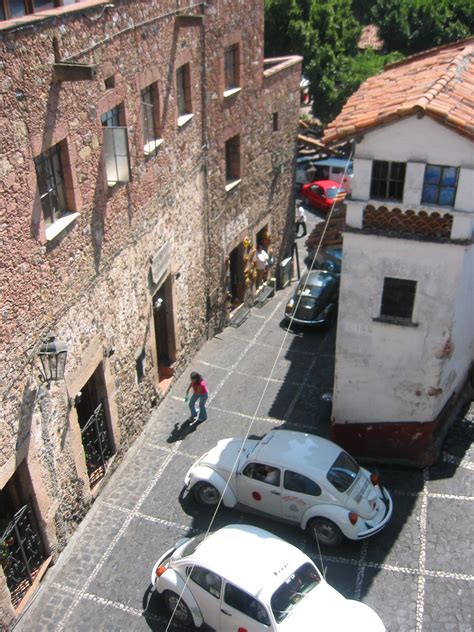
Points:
[52,354]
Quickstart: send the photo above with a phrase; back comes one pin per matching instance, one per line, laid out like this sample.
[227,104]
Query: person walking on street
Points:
[201,394]
[300,220]
[262,265]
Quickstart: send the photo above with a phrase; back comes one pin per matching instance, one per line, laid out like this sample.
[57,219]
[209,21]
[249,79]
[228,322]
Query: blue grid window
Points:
[439,185]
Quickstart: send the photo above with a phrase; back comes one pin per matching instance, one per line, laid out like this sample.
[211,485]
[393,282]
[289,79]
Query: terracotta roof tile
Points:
[438,82]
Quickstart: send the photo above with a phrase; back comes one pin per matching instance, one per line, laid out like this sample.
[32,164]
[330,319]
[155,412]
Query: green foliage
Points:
[411,26]
[325,33]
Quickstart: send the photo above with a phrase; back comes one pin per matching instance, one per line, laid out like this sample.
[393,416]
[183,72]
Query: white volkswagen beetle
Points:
[296,477]
[247,579]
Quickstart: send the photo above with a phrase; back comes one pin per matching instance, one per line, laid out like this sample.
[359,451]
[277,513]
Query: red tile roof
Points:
[438,83]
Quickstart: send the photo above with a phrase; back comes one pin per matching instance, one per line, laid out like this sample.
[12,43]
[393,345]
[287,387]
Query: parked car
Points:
[329,259]
[244,578]
[315,299]
[337,169]
[322,194]
[299,478]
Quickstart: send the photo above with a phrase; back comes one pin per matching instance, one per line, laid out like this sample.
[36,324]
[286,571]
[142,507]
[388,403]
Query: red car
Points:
[322,194]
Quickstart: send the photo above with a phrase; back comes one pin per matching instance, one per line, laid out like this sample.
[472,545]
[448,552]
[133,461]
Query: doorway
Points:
[92,414]
[164,332]
[236,284]
[21,548]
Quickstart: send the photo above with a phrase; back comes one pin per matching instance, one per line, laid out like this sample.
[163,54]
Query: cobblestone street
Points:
[417,573]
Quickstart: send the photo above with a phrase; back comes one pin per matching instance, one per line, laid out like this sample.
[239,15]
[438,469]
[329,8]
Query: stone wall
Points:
[93,285]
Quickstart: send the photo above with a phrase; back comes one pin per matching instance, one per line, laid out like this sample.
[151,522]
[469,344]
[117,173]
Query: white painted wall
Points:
[384,371]
[417,142]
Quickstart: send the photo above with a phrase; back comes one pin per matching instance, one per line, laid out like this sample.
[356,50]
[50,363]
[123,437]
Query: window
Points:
[298,483]
[243,602]
[51,186]
[231,67]
[264,473]
[117,166]
[398,298]
[439,185]
[232,159]
[209,581]
[388,179]
[183,87]
[16,8]
[109,82]
[343,472]
[276,125]
[289,594]
[151,119]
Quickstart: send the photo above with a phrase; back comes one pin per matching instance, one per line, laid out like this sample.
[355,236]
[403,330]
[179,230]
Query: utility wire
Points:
[267,381]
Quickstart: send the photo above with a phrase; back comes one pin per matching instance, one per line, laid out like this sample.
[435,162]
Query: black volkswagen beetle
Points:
[315,299]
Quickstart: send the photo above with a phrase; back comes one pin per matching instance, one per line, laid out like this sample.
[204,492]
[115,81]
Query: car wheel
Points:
[325,531]
[178,609]
[206,494]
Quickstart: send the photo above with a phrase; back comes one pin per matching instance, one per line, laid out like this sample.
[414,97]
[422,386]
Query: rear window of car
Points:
[343,472]
[293,590]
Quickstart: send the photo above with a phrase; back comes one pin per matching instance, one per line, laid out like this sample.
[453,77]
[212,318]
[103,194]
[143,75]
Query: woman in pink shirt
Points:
[201,393]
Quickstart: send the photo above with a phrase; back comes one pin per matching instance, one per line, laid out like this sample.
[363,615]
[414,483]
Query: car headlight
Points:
[290,304]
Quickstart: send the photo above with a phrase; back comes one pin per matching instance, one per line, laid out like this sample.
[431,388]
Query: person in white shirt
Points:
[261,264]
[300,220]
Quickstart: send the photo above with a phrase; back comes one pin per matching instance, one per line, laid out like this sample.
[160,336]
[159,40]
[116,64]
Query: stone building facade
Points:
[146,148]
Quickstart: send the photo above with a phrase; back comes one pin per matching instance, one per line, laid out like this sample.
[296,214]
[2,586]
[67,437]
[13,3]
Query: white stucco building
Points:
[405,338]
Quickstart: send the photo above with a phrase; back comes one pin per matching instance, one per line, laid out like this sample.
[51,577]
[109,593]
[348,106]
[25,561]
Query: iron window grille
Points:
[440,185]
[398,299]
[231,67]
[117,165]
[51,186]
[388,180]
[183,87]
[232,159]
[150,116]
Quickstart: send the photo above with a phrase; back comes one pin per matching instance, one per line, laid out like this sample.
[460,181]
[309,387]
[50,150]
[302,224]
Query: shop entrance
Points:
[236,284]
[164,331]
[92,413]
[21,548]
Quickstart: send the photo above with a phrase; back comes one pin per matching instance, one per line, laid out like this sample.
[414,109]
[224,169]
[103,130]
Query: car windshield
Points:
[293,589]
[332,192]
[343,472]
[191,545]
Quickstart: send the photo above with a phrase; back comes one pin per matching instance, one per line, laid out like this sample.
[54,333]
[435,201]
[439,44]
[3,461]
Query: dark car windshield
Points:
[293,589]
[343,472]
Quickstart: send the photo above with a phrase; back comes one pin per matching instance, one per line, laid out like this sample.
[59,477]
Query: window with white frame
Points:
[388,180]
[151,119]
[117,166]
[439,185]
[10,9]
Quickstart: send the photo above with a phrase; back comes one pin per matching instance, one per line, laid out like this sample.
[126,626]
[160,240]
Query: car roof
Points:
[310,277]
[305,453]
[249,557]
[333,162]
